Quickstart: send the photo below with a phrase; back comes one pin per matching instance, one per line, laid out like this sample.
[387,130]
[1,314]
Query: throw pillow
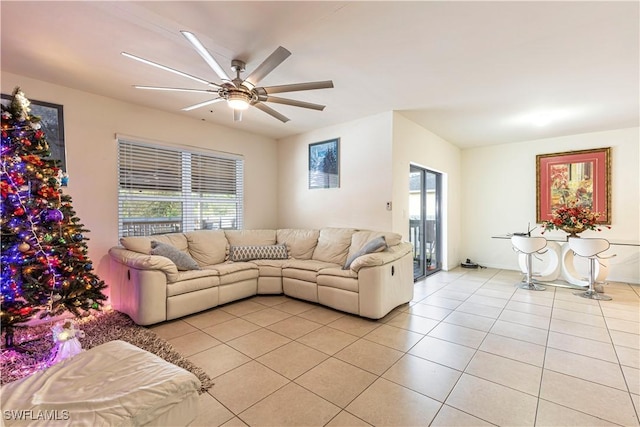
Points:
[247,253]
[378,244]
[182,260]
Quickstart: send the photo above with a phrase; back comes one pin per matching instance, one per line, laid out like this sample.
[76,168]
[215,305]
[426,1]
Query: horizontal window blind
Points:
[162,190]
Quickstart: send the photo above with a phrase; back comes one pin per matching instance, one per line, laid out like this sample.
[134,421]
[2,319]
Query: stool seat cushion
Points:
[115,383]
[588,247]
[528,245]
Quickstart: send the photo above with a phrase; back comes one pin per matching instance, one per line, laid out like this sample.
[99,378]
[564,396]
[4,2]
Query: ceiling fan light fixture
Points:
[238,100]
[240,94]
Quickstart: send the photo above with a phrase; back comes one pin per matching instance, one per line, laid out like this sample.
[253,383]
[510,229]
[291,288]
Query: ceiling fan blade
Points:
[237,115]
[293,102]
[171,70]
[204,53]
[203,104]
[175,89]
[327,84]
[271,112]
[267,66]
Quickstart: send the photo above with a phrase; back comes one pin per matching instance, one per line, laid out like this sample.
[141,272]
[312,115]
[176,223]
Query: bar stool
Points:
[528,246]
[591,249]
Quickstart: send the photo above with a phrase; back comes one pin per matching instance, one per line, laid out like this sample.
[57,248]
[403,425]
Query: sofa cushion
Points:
[333,245]
[377,244]
[300,243]
[192,281]
[248,253]
[276,263]
[142,244]
[194,274]
[269,267]
[251,237]
[339,279]
[207,247]
[306,270]
[337,272]
[310,265]
[232,272]
[182,260]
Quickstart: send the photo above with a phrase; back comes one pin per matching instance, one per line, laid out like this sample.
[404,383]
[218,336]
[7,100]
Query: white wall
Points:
[365,178]
[499,196]
[90,124]
[413,144]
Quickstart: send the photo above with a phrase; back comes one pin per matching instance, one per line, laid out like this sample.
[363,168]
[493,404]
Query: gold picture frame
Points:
[582,177]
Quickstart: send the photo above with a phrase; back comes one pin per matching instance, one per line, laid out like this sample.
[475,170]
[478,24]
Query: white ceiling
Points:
[473,73]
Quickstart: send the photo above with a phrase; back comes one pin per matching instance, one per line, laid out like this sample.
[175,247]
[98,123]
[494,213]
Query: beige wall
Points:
[365,178]
[90,124]
[499,196]
[413,144]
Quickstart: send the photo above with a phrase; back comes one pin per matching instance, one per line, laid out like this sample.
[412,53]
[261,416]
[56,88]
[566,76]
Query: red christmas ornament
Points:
[24,311]
[18,180]
[5,189]
[47,192]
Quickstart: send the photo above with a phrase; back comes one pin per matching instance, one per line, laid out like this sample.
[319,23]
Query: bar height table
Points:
[561,262]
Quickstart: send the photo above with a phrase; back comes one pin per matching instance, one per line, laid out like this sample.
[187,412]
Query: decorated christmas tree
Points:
[45,267]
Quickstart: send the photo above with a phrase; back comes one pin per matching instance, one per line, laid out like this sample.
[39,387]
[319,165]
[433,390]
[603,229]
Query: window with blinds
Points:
[165,190]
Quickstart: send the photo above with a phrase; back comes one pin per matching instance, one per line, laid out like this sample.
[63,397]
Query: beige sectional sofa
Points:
[221,266]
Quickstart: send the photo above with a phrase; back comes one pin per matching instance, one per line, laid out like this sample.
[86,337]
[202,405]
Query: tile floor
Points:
[471,349]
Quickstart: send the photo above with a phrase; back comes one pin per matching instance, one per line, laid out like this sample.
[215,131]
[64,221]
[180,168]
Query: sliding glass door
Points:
[424,220]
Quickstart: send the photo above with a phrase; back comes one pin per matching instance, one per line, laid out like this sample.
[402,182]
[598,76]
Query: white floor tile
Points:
[472,349]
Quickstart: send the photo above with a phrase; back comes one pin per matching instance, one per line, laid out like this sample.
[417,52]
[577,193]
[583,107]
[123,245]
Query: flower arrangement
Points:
[573,219]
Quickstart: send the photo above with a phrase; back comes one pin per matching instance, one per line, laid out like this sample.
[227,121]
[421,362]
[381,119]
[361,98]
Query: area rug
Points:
[98,329]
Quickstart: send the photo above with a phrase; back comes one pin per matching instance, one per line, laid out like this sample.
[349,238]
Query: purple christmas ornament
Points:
[14,199]
[54,215]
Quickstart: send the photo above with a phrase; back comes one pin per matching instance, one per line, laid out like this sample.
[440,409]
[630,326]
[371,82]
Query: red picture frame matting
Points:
[552,170]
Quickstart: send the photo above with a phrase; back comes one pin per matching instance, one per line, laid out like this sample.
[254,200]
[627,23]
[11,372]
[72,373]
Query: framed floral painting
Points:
[574,178]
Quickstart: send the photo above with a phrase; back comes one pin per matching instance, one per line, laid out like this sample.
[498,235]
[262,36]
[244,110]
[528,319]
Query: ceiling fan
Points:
[239,93]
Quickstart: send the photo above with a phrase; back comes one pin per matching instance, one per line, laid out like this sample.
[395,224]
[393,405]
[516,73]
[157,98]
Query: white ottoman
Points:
[113,384]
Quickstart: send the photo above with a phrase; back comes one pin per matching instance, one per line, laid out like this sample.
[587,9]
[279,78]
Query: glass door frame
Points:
[418,228]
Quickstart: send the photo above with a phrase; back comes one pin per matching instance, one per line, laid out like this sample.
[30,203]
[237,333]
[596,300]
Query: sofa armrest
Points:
[138,284]
[141,261]
[380,258]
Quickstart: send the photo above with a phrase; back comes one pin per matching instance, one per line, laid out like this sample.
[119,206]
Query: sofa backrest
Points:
[142,244]
[208,247]
[361,237]
[333,245]
[300,242]
[251,237]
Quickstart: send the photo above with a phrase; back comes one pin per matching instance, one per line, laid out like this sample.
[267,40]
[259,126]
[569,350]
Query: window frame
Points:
[230,177]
